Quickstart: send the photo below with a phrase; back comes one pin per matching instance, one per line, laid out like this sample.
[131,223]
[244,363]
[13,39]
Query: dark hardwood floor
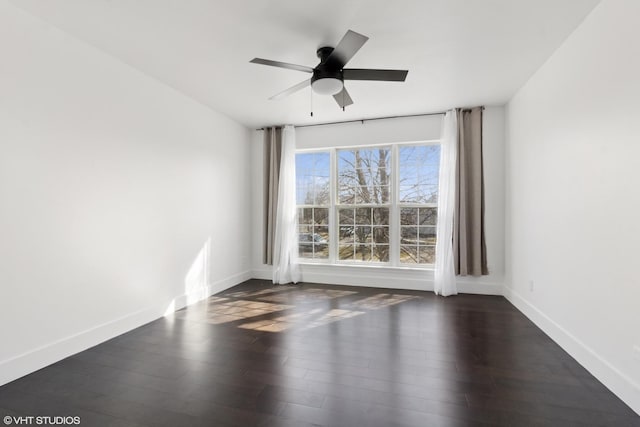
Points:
[316,355]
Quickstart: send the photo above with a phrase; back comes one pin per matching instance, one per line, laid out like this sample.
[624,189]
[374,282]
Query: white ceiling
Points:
[458,52]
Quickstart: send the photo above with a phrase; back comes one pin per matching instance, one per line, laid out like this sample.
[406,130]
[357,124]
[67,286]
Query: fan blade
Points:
[348,46]
[371,74]
[291,90]
[282,65]
[342,98]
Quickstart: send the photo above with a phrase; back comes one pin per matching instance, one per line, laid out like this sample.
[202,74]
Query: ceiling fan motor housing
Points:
[332,79]
[324,52]
[321,73]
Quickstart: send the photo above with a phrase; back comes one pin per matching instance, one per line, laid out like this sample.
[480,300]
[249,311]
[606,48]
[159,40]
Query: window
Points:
[363,204]
[369,205]
[313,197]
[418,197]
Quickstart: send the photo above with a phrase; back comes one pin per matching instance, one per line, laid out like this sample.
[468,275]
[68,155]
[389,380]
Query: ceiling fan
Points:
[327,78]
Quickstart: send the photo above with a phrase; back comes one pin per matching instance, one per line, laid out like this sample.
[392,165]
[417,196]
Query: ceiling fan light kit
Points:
[327,85]
[328,77]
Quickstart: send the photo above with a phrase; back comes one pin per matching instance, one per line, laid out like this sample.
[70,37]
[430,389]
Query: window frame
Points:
[328,206]
[336,206]
[399,205]
[394,206]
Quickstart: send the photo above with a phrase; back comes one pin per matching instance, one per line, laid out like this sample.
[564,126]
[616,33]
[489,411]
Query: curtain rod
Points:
[367,120]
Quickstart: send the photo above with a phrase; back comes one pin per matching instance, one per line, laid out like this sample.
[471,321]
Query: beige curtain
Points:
[272,157]
[469,247]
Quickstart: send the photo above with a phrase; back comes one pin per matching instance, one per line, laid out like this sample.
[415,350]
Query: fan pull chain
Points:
[311,101]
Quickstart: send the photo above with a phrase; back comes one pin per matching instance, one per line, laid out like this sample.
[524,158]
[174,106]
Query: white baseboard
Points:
[619,383]
[380,277]
[40,357]
[33,360]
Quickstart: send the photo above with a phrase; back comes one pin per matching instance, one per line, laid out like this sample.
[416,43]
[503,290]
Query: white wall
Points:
[573,168]
[111,185]
[387,131]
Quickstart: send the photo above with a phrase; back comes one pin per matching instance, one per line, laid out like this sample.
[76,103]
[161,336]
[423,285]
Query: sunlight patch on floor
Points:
[312,319]
[223,311]
[307,295]
[253,294]
[258,304]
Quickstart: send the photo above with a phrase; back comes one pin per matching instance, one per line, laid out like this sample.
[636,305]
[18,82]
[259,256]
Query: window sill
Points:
[367,266]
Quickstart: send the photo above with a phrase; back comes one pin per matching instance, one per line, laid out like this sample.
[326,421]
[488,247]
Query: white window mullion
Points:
[333,214]
[394,212]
